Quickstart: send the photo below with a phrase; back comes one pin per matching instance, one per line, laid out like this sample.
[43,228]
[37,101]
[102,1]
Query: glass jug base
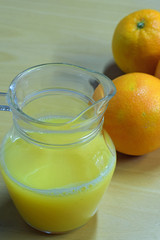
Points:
[57,232]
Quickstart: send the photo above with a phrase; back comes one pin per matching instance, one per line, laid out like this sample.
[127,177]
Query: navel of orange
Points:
[136,41]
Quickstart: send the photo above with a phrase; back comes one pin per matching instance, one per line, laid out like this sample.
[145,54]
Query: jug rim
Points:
[12,90]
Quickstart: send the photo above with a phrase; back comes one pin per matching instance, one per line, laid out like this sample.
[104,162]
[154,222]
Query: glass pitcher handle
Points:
[3,102]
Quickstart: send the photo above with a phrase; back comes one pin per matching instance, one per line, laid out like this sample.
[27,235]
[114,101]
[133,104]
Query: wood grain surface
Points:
[79,32]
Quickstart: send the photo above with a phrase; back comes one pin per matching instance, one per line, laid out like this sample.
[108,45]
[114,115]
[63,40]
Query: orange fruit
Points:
[136,42]
[132,118]
[98,93]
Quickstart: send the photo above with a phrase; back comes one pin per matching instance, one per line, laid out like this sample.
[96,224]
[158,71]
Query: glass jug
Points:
[56,160]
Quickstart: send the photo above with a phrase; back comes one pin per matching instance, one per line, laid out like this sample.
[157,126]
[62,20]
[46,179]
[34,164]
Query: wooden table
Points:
[79,32]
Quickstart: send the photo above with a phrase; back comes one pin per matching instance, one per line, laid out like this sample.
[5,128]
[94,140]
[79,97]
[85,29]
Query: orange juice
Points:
[57,189]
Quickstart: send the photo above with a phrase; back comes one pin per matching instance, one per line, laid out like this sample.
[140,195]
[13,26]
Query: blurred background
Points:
[78,32]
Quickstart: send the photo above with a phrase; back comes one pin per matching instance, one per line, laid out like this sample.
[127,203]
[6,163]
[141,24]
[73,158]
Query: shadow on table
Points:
[10,220]
[12,225]
[112,71]
[147,162]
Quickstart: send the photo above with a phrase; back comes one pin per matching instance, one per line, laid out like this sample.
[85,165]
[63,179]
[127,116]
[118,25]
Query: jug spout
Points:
[102,91]
[3,102]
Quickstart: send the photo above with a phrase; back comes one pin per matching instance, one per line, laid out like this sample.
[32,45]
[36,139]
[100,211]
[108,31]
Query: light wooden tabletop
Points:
[79,32]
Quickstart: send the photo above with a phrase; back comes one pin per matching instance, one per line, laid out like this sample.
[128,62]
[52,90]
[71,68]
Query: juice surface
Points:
[80,174]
